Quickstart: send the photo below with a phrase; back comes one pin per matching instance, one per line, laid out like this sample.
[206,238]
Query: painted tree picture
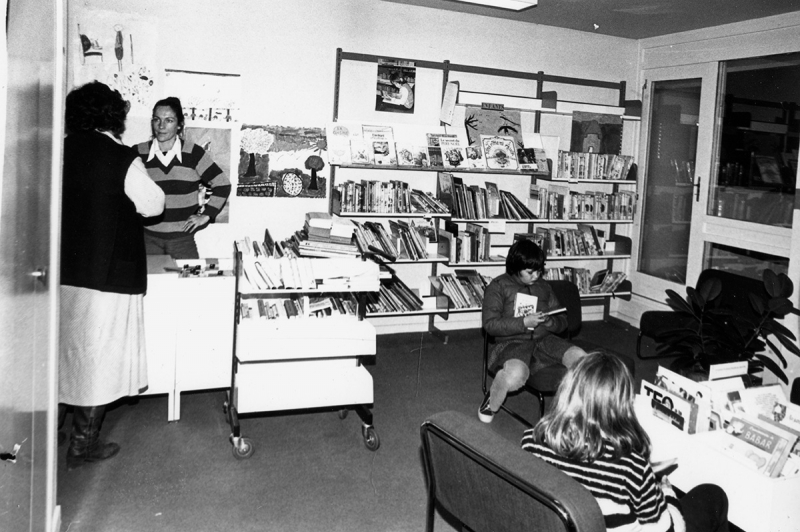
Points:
[283,162]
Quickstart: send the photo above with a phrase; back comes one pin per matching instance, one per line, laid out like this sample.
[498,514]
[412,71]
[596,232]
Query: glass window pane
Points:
[742,261]
[758,141]
[668,200]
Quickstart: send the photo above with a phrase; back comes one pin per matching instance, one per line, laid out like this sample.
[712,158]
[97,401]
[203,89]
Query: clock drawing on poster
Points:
[292,183]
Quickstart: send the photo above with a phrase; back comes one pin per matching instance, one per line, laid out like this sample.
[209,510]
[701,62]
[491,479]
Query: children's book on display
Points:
[500,152]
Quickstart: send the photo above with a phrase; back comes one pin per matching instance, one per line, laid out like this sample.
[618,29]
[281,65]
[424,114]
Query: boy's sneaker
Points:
[485,413]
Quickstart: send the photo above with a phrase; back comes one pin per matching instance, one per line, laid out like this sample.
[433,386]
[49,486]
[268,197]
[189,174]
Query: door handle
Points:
[697,189]
[41,274]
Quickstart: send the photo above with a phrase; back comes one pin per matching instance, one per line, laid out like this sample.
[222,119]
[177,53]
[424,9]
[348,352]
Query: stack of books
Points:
[464,288]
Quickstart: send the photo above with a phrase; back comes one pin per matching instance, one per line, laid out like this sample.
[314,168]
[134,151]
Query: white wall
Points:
[285,52]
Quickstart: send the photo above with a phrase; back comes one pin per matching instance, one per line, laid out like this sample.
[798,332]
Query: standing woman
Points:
[180,167]
[106,191]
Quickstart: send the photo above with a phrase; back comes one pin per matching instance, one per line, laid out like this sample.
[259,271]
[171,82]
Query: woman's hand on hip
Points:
[196,222]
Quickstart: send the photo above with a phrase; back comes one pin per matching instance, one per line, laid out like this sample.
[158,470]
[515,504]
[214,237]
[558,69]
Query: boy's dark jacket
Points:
[498,309]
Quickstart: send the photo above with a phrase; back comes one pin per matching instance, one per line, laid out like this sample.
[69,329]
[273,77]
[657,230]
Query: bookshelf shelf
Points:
[442,169]
[472,207]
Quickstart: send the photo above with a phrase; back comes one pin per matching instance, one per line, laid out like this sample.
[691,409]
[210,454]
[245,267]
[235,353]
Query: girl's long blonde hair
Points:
[593,404]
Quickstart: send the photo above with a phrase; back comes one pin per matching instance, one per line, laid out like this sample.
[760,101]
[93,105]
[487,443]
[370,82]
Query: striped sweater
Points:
[180,180]
[627,491]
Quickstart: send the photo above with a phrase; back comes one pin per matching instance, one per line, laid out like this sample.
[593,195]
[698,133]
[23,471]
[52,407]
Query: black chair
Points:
[544,382]
[734,295]
[487,482]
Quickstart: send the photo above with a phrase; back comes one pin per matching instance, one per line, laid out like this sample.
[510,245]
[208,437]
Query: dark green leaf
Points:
[785,285]
[780,306]
[773,367]
[777,352]
[677,302]
[778,328]
[757,302]
[710,289]
[771,283]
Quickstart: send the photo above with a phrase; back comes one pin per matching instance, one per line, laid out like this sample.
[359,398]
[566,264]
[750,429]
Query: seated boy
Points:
[523,343]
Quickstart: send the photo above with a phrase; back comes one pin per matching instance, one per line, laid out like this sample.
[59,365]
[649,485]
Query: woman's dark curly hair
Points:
[96,106]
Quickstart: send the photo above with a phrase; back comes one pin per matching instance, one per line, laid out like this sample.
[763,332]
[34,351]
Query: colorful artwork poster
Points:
[396,86]
[205,96]
[217,143]
[282,162]
[596,133]
[505,123]
[119,50]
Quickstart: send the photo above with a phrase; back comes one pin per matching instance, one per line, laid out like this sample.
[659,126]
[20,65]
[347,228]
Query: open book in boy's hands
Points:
[525,305]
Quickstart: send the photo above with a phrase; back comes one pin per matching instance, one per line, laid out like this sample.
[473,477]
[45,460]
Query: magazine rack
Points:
[301,362]
[609,97]
[756,503]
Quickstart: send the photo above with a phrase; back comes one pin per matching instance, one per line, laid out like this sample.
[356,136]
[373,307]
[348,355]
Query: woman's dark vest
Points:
[102,242]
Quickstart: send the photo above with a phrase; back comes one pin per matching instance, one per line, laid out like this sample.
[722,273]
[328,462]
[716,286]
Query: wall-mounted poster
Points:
[394,91]
[205,96]
[596,133]
[506,123]
[217,143]
[117,49]
[282,162]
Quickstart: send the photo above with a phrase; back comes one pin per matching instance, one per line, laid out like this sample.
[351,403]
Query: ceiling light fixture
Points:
[515,5]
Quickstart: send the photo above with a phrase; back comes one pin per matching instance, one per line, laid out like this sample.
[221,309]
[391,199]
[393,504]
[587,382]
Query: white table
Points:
[757,503]
[189,335]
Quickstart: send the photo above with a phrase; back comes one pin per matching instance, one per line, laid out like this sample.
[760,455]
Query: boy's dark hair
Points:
[525,255]
[95,106]
[175,104]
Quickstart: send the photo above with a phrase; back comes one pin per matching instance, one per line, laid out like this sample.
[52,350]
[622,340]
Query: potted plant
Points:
[711,333]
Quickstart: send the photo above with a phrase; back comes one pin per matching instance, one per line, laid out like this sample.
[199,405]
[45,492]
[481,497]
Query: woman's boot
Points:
[85,444]
[62,414]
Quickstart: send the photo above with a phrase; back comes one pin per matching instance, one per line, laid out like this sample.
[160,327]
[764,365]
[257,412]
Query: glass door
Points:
[676,158]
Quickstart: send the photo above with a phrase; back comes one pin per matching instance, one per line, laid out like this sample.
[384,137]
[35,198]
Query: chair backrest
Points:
[570,297]
[489,483]
[735,290]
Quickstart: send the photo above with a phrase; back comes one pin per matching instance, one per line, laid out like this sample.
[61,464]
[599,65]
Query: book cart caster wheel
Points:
[243,448]
[371,439]
[343,413]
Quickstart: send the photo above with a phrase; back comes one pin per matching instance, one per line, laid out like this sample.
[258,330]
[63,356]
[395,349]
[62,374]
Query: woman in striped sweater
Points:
[592,434]
[184,171]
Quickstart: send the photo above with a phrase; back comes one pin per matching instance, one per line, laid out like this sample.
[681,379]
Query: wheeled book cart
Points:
[289,362]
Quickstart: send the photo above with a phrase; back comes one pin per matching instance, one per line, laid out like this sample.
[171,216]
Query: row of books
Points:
[263,271]
[372,196]
[375,145]
[584,240]
[757,426]
[575,166]
[404,240]
[601,282]
[465,288]
[557,202]
[473,243]
[473,202]
[299,307]
[393,297]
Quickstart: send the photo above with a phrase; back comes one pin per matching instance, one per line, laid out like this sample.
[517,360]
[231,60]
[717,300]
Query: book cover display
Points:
[501,153]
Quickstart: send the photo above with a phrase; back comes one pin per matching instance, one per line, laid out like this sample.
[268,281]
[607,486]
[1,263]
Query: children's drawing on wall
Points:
[395,87]
[282,162]
[217,143]
[117,49]
[596,133]
[206,96]
[505,123]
